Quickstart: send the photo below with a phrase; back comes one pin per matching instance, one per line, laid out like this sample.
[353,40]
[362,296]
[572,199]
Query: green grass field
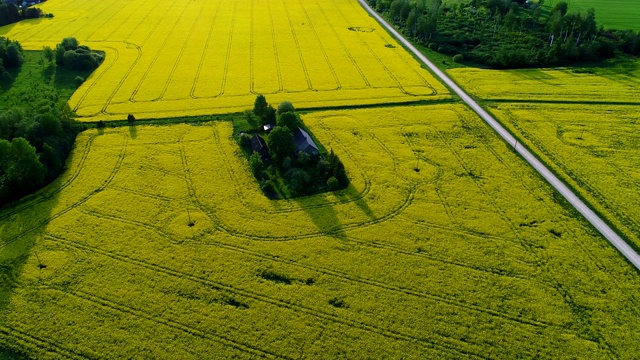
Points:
[616,14]
[37,81]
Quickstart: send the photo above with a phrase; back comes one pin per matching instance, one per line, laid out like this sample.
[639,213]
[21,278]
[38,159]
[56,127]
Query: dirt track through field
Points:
[572,198]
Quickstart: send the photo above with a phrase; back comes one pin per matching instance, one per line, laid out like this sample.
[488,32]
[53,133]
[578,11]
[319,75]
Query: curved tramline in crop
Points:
[345,48]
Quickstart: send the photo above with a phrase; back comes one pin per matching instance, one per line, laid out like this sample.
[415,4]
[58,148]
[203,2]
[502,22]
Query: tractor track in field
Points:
[114,306]
[204,53]
[76,204]
[180,55]
[627,251]
[227,59]
[40,198]
[322,49]
[43,343]
[155,59]
[345,48]
[444,343]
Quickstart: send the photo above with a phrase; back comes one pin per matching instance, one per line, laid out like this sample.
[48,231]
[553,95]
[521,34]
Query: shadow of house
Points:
[260,146]
[304,143]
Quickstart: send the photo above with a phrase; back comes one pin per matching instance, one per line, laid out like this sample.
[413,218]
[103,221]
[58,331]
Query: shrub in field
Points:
[269,116]
[256,165]
[70,54]
[285,106]
[245,141]
[288,120]
[332,183]
[131,119]
[11,54]
[458,58]
[11,13]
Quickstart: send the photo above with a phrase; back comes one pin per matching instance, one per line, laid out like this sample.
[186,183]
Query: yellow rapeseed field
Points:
[595,148]
[175,58]
[445,245]
[576,85]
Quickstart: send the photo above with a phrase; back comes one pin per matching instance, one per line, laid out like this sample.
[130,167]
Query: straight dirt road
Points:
[594,219]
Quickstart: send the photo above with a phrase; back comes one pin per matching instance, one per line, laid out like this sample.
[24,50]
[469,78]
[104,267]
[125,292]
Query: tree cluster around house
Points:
[508,33]
[283,156]
[11,13]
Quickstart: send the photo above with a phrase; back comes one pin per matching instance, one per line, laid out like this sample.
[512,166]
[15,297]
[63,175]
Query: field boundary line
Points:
[615,239]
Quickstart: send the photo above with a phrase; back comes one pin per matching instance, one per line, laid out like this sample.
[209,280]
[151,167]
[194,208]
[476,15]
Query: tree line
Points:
[289,171]
[36,137]
[11,13]
[10,56]
[508,34]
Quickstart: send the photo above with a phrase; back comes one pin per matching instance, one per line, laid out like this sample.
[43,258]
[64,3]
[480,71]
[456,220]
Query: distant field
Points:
[445,246]
[616,14]
[597,148]
[170,58]
[618,84]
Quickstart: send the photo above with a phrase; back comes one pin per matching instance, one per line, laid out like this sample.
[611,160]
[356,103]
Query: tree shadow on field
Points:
[22,226]
[133,132]
[325,218]
[354,196]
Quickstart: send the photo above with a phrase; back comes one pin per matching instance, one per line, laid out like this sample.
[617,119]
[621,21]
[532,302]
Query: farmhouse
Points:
[304,143]
[260,146]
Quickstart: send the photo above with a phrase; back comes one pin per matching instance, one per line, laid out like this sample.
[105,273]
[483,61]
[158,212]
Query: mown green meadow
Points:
[613,14]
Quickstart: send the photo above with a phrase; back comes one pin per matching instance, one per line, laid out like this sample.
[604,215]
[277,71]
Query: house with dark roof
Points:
[304,142]
[260,146]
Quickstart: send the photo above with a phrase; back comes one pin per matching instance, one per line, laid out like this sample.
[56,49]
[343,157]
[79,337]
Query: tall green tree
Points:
[280,143]
[288,120]
[260,106]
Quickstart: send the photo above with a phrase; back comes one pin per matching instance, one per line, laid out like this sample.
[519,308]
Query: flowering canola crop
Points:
[157,242]
[593,147]
[176,58]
